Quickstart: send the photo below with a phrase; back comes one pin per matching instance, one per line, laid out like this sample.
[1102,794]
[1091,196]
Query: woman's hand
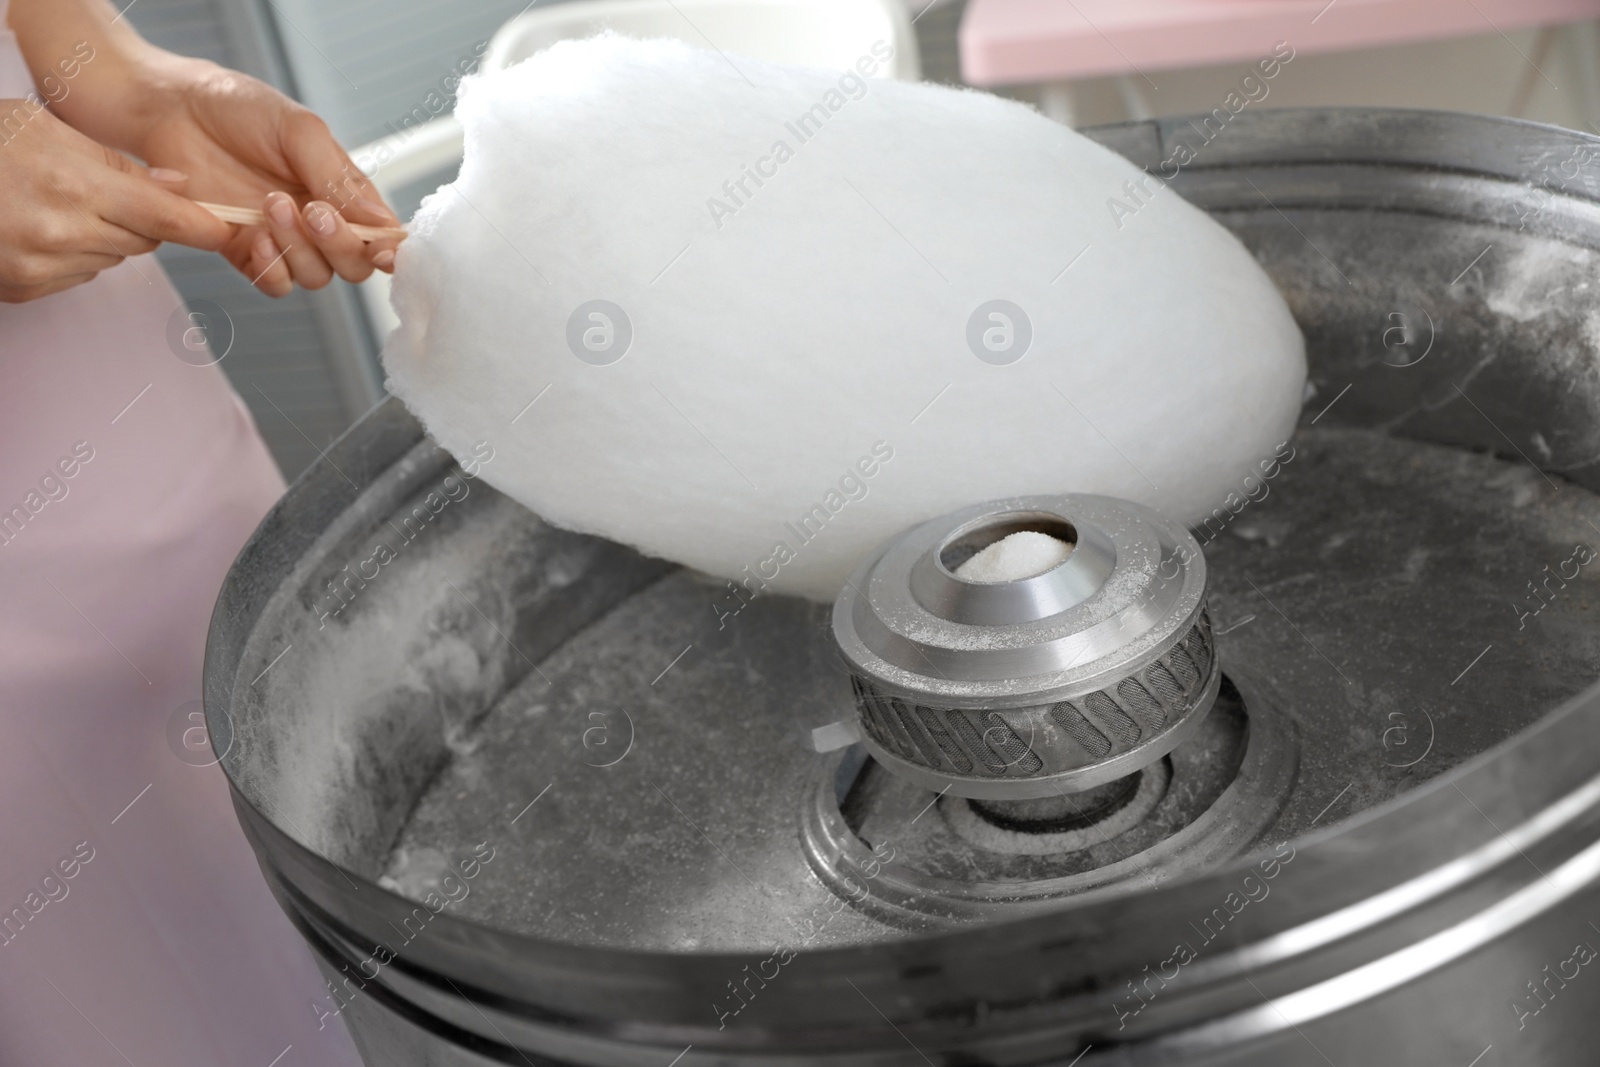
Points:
[242,142]
[238,141]
[74,208]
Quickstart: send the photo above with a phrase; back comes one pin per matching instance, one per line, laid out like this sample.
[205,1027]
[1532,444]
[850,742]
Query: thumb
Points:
[152,205]
[125,193]
[165,177]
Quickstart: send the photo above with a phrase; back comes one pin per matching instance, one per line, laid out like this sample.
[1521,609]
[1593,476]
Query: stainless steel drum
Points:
[532,798]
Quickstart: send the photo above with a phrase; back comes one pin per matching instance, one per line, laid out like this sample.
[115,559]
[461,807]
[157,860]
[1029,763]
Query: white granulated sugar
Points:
[1014,557]
[799,354]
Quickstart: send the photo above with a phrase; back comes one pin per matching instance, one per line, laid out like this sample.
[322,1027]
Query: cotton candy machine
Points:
[532,798]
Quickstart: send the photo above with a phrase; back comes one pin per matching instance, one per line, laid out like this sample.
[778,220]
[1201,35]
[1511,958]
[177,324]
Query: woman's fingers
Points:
[332,176]
[306,264]
[54,233]
[376,213]
[372,212]
[82,232]
[123,192]
[307,249]
[327,170]
[13,295]
[136,209]
[30,275]
[347,253]
[267,264]
[137,204]
[175,180]
[85,239]
[88,263]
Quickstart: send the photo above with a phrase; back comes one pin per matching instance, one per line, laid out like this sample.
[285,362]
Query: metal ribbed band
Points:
[1060,746]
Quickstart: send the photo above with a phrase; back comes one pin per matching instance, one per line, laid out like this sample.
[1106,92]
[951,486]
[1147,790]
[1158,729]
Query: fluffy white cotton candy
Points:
[758,319]
[1014,557]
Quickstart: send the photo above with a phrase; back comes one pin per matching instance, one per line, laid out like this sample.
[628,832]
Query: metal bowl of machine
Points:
[532,798]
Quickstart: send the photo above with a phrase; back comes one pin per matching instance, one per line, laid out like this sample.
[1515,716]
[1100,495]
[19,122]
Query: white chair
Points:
[807,33]
[811,33]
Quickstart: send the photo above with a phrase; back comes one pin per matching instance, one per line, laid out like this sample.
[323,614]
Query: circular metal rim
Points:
[1067,585]
[1266,773]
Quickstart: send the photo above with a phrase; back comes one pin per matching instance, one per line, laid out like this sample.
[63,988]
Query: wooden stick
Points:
[249,216]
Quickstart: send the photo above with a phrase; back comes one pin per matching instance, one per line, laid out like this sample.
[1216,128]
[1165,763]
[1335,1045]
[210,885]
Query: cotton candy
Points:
[758,319]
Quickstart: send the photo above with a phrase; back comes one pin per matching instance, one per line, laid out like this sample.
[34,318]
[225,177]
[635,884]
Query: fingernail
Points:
[280,209]
[383,259]
[378,209]
[266,249]
[167,174]
[320,218]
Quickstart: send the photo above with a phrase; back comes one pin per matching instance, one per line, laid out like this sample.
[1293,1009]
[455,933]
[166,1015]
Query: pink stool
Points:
[1015,42]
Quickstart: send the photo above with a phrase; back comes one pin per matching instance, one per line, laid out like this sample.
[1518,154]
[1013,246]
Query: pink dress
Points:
[135,926]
